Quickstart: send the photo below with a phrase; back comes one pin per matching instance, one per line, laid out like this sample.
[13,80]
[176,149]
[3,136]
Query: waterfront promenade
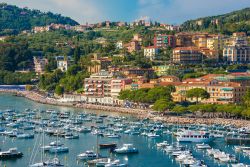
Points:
[140,113]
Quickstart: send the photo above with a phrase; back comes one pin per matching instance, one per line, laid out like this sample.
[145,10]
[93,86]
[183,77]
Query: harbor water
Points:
[148,156]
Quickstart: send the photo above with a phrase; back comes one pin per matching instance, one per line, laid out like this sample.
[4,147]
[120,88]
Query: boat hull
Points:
[195,140]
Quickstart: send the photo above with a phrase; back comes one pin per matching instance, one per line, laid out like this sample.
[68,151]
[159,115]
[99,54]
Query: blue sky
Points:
[167,11]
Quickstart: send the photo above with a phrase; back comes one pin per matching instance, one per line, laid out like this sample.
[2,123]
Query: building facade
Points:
[98,85]
[236,54]
[98,64]
[151,52]
[187,55]
[40,64]
[138,72]
[220,92]
[164,41]
[117,85]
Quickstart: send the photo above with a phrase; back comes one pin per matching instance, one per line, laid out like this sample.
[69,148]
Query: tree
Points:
[163,105]
[197,93]
[160,92]
[124,95]
[246,98]
[76,56]
[59,90]
[179,109]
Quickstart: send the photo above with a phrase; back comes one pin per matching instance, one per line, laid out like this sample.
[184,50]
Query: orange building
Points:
[99,64]
[187,55]
[220,92]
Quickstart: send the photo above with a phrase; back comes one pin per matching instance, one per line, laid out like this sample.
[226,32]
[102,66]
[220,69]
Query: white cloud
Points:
[176,11]
[81,10]
[88,10]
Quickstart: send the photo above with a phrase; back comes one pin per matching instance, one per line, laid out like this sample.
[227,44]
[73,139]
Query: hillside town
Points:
[107,81]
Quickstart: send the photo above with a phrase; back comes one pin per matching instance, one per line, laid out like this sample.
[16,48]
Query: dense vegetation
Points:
[68,82]
[14,19]
[238,21]
[14,56]
[146,95]
[10,78]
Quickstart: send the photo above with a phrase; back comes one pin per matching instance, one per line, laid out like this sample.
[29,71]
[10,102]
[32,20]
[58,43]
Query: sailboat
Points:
[55,162]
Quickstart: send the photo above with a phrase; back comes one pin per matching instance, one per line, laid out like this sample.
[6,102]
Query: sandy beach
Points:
[142,114]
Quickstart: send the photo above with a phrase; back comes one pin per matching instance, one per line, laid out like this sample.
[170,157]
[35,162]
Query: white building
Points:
[119,45]
[151,52]
[63,63]
[236,54]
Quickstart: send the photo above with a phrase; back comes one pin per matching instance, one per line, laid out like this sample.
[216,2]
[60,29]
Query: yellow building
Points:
[99,64]
[220,92]
[215,43]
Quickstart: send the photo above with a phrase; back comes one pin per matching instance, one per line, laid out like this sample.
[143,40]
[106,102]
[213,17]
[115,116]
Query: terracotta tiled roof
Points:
[170,83]
[187,48]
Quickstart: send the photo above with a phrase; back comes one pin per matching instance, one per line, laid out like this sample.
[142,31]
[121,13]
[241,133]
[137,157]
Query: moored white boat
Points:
[194,136]
[126,149]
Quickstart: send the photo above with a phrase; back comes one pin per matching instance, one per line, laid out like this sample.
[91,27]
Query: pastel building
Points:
[117,85]
[187,55]
[215,42]
[39,64]
[63,63]
[220,92]
[161,70]
[151,52]
[98,64]
[98,84]
[236,54]
[138,72]
[164,41]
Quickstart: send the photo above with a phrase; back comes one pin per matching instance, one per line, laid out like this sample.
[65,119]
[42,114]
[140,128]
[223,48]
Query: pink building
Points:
[164,41]
[117,85]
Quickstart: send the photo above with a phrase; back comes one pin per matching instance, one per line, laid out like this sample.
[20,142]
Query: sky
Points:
[166,11]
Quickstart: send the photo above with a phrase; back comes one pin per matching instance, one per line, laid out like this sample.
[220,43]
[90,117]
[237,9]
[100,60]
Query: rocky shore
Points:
[142,114]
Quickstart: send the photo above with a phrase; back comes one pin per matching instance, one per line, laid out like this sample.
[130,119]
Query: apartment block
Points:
[98,85]
[187,55]
[236,54]
[164,41]
[220,92]
[119,84]
[151,52]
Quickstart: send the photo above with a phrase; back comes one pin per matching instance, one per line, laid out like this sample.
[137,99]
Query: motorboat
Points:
[11,153]
[194,136]
[203,146]
[25,136]
[54,163]
[162,144]
[71,136]
[153,135]
[116,163]
[126,149]
[113,136]
[59,149]
[88,155]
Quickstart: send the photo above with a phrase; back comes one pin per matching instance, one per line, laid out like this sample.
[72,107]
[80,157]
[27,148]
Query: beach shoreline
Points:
[139,113]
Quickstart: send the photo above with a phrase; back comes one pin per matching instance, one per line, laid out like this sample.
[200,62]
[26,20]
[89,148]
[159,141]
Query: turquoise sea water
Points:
[148,156]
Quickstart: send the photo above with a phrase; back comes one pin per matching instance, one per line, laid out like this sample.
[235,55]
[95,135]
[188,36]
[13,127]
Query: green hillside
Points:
[227,23]
[14,19]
